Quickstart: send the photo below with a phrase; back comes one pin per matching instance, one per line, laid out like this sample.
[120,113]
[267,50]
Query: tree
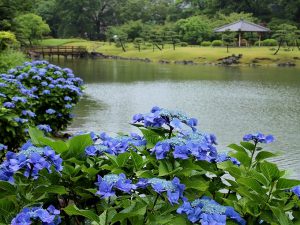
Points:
[10,9]
[137,43]
[285,33]
[30,27]
[133,29]
[49,11]
[194,29]
[228,38]
[172,38]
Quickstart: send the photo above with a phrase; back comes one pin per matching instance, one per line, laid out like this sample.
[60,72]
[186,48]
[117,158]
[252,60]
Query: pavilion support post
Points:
[240,39]
[259,39]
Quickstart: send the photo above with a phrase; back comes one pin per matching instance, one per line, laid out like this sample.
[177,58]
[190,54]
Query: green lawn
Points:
[195,53]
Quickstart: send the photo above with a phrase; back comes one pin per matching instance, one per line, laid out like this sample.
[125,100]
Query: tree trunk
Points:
[157,46]
[227,48]
[122,45]
[279,45]
[297,44]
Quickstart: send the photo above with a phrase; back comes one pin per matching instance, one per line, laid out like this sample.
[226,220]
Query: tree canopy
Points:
[30,27]
[193,20]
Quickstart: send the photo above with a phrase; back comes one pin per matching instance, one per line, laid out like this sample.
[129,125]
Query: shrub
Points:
[7,40]
[183,44]
[205,43]
[172,174]
[217,43]
[267,42]
[36,93]
[11,58]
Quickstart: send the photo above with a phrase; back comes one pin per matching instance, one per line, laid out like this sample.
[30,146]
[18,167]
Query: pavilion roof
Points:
[242,25]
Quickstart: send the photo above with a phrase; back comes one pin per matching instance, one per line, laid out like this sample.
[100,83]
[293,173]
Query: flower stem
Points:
[106,214]
[252,155]
[155,201]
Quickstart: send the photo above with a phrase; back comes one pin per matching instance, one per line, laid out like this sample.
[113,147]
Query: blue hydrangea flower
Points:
[97,149]
[259,137]
[28,113]
[296,191]
[207,211]
[67,98]
[45,127]
[3,147]
[112,182]
[31,160]
[174,188]
[68,106]
[44,83]
[3,85]
[187,144]
[50,111]
[121,144]
[9,105]
[46,92]
[27,216]
[222,157]
[20,120]
[19,99]
[159,117]
[161,150]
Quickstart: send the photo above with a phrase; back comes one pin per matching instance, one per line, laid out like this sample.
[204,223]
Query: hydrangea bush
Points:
[170,173]
[36,93]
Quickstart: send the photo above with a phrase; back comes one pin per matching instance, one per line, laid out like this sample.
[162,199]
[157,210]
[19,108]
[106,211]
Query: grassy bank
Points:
[262,55]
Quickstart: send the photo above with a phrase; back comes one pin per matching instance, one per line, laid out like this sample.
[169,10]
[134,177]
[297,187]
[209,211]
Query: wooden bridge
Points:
[50,51]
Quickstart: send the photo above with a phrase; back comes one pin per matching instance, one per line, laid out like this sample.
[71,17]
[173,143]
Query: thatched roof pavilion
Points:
[243,26]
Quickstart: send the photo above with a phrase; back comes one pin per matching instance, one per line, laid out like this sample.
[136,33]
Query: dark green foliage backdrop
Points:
[92,18]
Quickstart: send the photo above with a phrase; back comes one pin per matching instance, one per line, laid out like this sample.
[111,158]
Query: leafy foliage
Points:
[7,40]
[123,179]
[30,27]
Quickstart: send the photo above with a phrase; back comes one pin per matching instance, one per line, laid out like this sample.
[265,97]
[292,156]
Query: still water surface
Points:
[228,102]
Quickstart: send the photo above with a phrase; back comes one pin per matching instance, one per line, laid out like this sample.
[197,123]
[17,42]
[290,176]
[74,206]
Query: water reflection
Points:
[228,101]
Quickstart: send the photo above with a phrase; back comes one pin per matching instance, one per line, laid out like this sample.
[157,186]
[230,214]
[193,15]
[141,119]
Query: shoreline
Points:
[229,61]
[188,55]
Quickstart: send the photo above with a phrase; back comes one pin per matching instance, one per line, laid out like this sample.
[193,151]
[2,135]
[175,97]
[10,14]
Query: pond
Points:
[228,101]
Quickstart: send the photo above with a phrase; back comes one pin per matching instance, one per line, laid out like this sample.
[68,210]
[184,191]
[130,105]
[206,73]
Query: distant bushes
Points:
[205,43]
[267,42]
[217,43]
[183,44]
[10,58]
[7,40]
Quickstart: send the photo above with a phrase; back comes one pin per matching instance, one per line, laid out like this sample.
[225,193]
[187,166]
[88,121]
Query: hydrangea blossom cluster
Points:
[40,93]
[114,146]
[191,144]
[31,160]
[259,138]
[207,212]
[174,188]
[27,216]
[158,117]
[108,185]
[296,191]
[3,147]
[188,144]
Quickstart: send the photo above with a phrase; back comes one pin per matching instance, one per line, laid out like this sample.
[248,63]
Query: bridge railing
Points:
[56,49]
